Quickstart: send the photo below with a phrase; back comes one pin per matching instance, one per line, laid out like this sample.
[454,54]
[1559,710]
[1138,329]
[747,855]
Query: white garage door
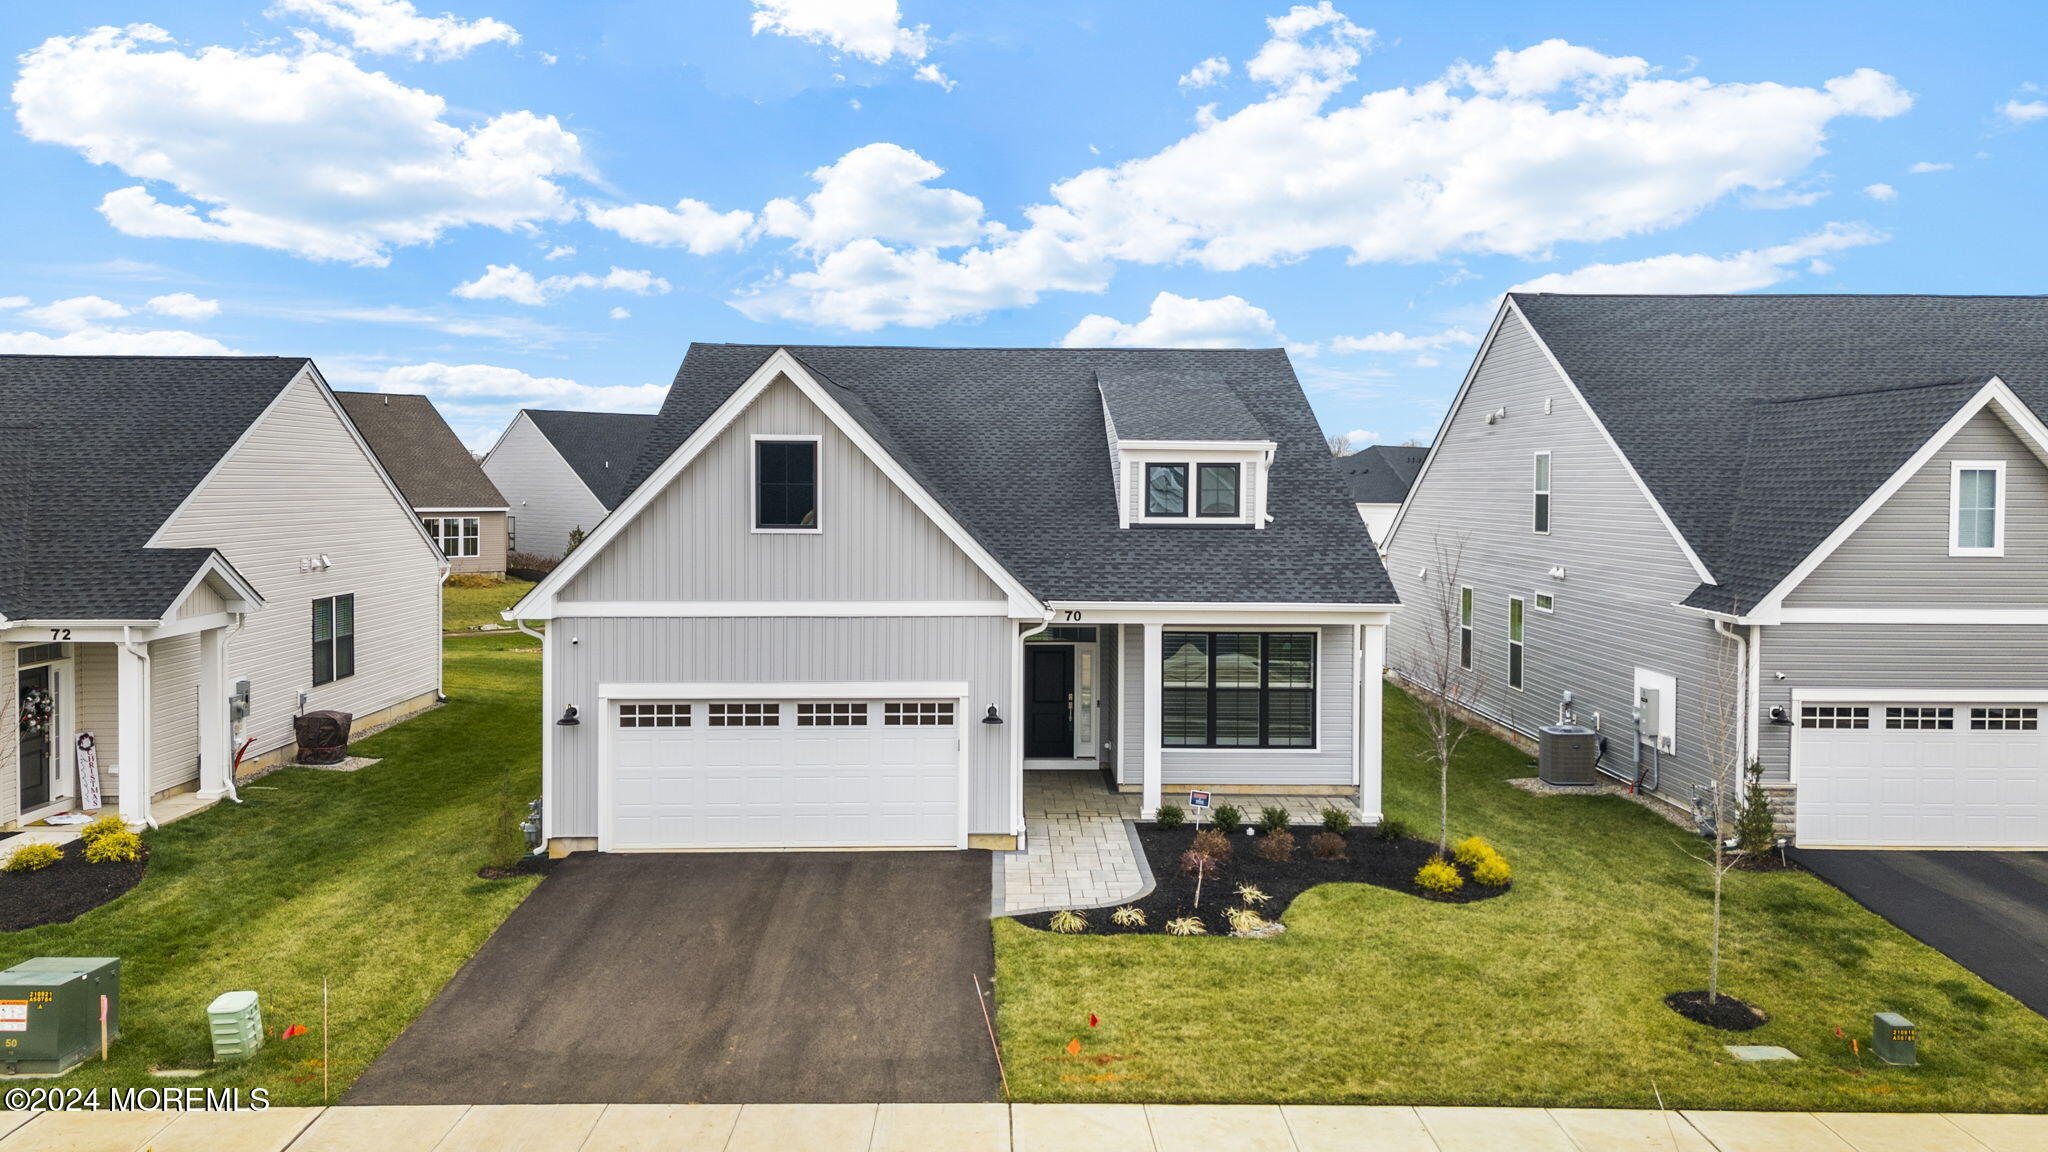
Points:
[785,774]
[1922,775]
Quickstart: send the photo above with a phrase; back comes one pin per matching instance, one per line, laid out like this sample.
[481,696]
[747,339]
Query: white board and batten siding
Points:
[299,485]
[545,496]
[1623,569]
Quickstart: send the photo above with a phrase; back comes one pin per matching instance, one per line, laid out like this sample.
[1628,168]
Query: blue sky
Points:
[537,204]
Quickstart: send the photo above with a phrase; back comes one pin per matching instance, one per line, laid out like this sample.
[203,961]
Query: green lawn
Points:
[365,879]
[1549,995]
[463,609]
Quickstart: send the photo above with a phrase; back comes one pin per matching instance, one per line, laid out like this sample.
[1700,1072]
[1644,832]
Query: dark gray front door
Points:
[35,708]
[1049,701]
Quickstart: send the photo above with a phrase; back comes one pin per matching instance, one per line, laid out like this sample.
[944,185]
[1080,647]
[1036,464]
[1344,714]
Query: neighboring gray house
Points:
[1379,478]
[1822,517]
[173,529]
[563,471]
[460,507]
[855,593]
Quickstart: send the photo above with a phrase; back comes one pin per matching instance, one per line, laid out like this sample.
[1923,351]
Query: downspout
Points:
[234,758]
[1017,723]
[547,736]
[441,650]
[1743,735]
[143,753]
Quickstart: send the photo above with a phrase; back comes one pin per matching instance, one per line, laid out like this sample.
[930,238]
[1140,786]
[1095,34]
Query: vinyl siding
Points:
[1899,557]
[173,712]
[696,540]
[299,485]
[99,706]
[1624,572]
[545,495]
[1330,762]
[203,601]
[587,652]
[490,543]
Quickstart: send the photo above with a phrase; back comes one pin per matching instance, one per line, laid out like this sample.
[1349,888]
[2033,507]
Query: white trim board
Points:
[688,609]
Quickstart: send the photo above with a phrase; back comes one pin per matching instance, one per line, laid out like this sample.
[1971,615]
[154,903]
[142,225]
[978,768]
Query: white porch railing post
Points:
[1152,675]
[132,712]
[214,757]
[1370,703]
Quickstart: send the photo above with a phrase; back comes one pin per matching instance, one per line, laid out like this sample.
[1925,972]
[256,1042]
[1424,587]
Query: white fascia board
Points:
[1197,445]
[1959,617]
[784,690]
[538,603]
[460,511]
[774,609]
[1917,696]
[1227,615]
[83,630]
[1995,392]
[217,565]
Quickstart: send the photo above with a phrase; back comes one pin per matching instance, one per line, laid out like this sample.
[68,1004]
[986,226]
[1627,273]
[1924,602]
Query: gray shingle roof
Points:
[1382,473]
[1712,397]
[103,449]
[428,462]
[1149,404]
[1012,442]
[602,447]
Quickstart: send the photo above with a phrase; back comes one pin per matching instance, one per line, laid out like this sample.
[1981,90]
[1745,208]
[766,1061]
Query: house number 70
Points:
[1069,614]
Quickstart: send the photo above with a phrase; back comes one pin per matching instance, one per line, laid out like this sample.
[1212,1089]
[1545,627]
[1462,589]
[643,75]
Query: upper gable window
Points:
[1977,508]
[1542,491]
[786,484]
[1192,490]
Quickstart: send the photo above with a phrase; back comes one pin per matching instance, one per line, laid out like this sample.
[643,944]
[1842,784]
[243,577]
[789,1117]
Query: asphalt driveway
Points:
[1987,911]
[730,978]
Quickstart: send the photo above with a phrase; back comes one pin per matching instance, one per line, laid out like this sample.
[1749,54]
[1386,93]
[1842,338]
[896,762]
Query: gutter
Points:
[441,649]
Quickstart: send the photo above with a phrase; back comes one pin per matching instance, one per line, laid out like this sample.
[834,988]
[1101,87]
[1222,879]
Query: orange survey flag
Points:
[294,1030]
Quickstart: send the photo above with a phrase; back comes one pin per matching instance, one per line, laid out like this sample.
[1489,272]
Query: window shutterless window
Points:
[1216,489]
[458,536]
[786,485]
[1977,508]
[1166,489]
[1238,690]
[1545,602]
[1514,641]
[334,638]
[1465,628]
[1542,524]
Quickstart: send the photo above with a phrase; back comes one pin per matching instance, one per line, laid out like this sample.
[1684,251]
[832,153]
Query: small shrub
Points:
[1277,847]
[1756,831]
[1471,850]
[530,562]
[1213,844]
[474,580]
[1186,926]
[1227,818]
[1326,846]
[1492,871]
[1391,829]
[1252,895]
[102,825]
[1336,821]
[1068,922]
[1273,818]
[1439,876]
[1194,862]
[1129,916]
[1244,921]
[576,536]
[1171,816]
[114,848]
[32,858]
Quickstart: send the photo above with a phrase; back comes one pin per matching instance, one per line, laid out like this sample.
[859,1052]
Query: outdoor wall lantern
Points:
[569,719]
[991,718]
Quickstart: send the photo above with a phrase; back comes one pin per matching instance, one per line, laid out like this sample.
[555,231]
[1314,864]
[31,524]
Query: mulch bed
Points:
[1389,864]
[1725,1012]
[64,891]
[524,866]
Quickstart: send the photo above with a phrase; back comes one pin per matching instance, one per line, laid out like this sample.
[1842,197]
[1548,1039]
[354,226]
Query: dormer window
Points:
[1194,490]
[1216,489]
[1184,450]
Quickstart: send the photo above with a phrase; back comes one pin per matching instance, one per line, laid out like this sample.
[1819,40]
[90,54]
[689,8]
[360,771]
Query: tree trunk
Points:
[1714,953]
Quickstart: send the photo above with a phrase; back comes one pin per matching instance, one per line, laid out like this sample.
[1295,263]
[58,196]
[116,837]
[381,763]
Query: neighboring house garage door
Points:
[1962,775]
[840,772]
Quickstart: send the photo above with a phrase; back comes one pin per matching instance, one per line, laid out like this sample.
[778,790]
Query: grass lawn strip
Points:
[365,879]
[1552,994]
[466,609]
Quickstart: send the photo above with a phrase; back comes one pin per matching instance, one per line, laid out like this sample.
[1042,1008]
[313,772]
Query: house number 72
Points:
[60,633]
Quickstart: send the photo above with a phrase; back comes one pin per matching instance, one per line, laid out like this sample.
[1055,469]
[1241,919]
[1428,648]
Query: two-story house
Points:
[854,594]
[1805,531]
[462,510]
[562,472]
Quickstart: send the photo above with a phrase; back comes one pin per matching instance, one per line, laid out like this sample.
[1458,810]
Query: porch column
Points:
[214,761]
[1368,700]
[132,683]
[1150,675]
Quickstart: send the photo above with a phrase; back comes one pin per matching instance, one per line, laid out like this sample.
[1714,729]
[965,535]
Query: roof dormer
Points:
[1184,450]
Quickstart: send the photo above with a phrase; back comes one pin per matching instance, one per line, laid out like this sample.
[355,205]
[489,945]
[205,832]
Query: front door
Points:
[36,710]
[1049,702]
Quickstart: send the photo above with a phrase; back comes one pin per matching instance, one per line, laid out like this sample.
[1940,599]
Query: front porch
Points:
[175,806]
[1079,848]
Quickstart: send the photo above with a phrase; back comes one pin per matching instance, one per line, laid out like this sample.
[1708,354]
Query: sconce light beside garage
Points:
[1780,716]
[991,718]
[568,719]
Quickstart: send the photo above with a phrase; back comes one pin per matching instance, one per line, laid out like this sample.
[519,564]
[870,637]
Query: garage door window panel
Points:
[2005,719]
[747,715]
[1920,719]
[832,714]
[654,715]
[917,713]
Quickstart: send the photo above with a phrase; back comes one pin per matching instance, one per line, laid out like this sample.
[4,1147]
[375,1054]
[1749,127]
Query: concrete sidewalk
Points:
[1007,1128]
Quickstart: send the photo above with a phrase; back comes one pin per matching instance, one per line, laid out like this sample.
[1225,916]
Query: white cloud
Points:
[1880,192]
[1206,73]
[621,314]
[1739,272]
[184,306]
[302,152]
[77,312]
[560,252]
[487,386]
[395,27]
[1925,166]
[872,30]
[2024,111]
[511,282]
[1360,437]
[11,302]
[877,191]
[1311,53]
[1181,322]
[867,284]
[1385,342]
[691,224]
[108,342]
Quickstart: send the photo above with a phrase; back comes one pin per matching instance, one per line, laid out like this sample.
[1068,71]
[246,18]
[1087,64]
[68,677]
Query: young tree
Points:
[1716,808]
[1442,664]
[1340,444]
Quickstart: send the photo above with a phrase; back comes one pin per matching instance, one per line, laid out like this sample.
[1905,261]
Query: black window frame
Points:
[1468,614]
[786,488]
[1518,642]
[1236,471]
[1185,495]
[334,658]
[1265,693]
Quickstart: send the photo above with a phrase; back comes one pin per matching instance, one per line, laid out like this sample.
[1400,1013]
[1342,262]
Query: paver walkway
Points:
[1078,851]
[1007,1128]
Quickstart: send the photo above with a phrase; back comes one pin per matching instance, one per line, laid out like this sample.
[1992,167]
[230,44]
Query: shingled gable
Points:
[602,448]
[423,456]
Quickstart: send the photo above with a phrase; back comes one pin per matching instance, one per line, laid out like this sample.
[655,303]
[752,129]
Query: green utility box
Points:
[1894,1039]
[50,1012]
[236,1022]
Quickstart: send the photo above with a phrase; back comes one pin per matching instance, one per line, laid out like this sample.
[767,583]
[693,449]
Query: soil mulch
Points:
[1725,1012]
[524,866]
[64,891]
[1368,860]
